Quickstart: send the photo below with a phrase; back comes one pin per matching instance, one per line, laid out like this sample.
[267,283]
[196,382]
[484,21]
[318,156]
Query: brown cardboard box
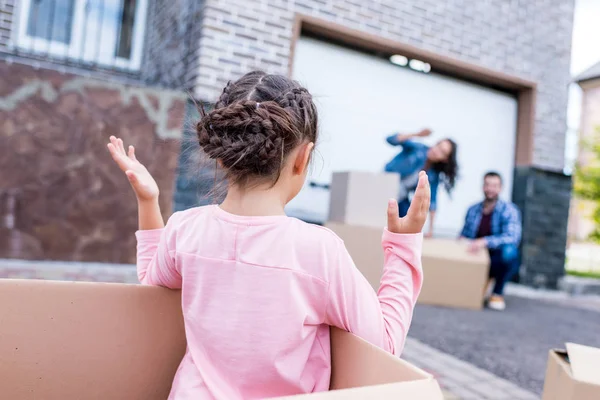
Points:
[361,370]
[453,276]
[73,340]
[360,198]
[364,245]
[63,340]
[573,374]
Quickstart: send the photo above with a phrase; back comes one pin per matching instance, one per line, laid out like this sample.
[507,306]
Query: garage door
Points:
[363,98]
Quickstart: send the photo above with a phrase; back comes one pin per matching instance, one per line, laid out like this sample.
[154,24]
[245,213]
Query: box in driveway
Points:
[360,198]
[573,374]
[453,276]
[364,245]
[73,340]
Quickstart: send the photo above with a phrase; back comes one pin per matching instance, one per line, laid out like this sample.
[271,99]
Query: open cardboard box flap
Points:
[573,374]
[361,370]
[585,363]
[66,340]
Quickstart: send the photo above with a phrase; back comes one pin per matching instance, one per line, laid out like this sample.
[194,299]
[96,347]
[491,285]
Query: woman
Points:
[439,161]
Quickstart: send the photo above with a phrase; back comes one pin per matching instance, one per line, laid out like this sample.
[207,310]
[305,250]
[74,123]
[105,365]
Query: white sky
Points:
[585,52]
[586,35]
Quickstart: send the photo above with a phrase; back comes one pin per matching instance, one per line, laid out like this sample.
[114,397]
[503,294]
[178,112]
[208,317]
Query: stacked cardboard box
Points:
[453,276]
[573,374]
[360,198]
[63,340]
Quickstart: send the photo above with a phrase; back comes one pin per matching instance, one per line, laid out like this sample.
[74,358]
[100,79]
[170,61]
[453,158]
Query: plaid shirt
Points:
[506,224]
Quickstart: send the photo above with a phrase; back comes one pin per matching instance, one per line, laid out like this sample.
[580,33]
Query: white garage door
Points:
[362,99]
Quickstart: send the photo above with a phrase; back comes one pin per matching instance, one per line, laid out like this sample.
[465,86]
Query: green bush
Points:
[584,274]
[587,183]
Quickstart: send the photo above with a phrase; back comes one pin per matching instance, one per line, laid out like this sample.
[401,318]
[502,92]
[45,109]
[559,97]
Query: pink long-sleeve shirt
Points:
[259,294]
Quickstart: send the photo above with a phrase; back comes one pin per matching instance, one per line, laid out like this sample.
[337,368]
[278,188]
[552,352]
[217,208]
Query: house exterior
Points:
[580,221]
[72,74]
[514,54]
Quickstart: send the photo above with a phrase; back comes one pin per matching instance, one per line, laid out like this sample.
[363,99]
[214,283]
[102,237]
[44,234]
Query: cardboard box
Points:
[364,246]
[64,340]
[361,370]
[73,340]
[453,276]
[360,198]
[573,374]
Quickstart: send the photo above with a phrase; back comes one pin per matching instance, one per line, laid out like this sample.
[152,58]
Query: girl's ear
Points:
[303,158]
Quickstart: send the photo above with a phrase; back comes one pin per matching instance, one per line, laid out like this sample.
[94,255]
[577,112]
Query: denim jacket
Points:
[412,159]
[506,224]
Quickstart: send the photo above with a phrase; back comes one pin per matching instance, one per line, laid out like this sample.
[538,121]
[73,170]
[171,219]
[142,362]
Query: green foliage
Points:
[587,182]
[585,274]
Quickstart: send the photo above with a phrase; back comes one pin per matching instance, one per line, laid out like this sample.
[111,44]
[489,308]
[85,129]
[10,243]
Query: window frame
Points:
[73,50]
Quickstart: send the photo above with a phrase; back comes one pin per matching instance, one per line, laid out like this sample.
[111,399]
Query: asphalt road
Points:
[512,344]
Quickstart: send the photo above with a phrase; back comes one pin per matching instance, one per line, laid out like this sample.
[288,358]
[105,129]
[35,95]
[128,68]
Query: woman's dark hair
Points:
[448,169]
[256,122]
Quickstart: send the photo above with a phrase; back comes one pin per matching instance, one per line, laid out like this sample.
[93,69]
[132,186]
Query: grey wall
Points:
[172,48]
[197,182]
[7,15]
[544,199]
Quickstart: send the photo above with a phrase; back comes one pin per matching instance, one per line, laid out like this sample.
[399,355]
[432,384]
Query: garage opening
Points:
[362,98]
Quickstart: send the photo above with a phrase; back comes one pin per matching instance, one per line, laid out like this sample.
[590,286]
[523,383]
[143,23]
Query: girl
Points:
[259,289]
[439,161]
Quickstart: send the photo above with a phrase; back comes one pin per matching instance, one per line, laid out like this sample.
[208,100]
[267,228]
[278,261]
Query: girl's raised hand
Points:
[417,213]
[143,183]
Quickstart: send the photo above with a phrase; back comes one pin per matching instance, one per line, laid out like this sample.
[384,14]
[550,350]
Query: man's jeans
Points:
[504,264]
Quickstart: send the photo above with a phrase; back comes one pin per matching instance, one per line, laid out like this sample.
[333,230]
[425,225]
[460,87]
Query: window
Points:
[109,33]
[60,13]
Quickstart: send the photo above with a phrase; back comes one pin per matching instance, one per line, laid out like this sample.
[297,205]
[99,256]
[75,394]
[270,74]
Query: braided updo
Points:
[256,122]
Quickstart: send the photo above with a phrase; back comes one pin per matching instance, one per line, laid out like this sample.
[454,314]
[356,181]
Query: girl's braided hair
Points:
[256,122]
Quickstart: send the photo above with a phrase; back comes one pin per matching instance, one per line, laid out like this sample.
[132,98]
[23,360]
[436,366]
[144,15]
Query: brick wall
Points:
[171,48]
[196,175]
[544,199]
[7,17]
[59,187]
[530,39]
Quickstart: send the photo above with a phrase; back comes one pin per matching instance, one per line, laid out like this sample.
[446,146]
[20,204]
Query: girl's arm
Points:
[155,245]
[149,215]
[143,184]
[156,256]
[383,318]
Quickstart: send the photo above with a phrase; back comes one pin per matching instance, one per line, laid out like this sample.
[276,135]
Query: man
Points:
[495,225]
